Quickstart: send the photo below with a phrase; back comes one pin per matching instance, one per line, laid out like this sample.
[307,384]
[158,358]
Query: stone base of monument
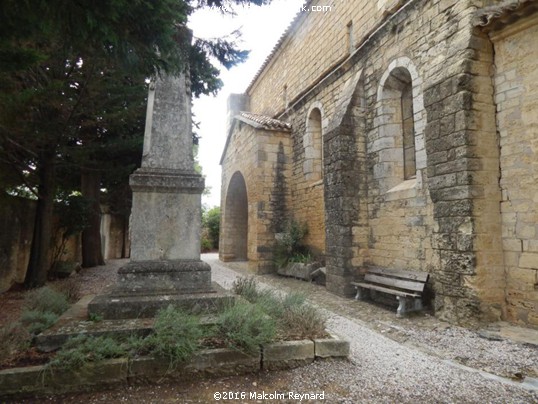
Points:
[167,276]
[117,306]
[145,287]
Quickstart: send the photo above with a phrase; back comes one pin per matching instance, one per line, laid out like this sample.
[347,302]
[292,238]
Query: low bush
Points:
[38,321]
[295,318]
[176,336]
[244,326]
[46,299]
[247,288]
[42,308]
[70,288]
[80,350]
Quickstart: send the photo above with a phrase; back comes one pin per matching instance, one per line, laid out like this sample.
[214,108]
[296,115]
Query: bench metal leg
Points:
[362,293]
[408,304]
[401,307]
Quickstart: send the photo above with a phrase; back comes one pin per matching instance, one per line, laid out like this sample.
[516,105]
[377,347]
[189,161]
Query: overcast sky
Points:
[261,28]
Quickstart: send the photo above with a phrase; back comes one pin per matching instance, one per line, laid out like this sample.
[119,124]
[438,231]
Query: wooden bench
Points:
[407,286]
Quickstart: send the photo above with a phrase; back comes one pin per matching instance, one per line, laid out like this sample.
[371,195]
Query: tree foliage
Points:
[72,91]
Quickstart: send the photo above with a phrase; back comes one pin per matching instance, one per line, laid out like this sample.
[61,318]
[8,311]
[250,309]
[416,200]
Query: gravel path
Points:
[383,370]
[417,359]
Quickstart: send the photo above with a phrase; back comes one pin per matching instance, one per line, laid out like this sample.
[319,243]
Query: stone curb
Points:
[38,380]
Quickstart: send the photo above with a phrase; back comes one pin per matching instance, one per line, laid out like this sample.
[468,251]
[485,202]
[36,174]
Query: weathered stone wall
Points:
[516,96]
[409,173]
[262,159]
[17,224]
[320,40]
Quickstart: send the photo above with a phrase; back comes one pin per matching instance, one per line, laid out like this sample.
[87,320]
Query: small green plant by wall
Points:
[289,245]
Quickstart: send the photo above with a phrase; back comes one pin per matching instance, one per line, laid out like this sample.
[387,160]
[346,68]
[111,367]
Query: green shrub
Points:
[38,321]
[295,319]
[82,349]
[176,335]
[207,245]
[245,326]
[46,299]
[211,224]
[289,243]
[247,288]
[300,258]
[302,321]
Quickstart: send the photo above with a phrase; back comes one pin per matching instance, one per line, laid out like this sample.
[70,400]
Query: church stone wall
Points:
[516,95]
[320,40]
[262,159]
[437,209]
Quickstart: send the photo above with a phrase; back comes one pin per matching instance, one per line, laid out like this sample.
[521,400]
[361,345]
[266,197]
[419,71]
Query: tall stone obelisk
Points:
[165,264]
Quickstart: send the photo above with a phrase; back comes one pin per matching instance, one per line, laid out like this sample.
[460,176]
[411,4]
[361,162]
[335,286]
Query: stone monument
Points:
[165,264]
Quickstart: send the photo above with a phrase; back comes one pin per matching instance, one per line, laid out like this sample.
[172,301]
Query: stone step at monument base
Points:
[76,321]
[113,306]
[53,339]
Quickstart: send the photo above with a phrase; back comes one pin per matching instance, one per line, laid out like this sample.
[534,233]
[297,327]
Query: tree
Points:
[211,222]
[54,52]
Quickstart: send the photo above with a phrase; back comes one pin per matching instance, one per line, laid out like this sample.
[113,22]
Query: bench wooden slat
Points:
[417,276]
[385,290]
[397,283]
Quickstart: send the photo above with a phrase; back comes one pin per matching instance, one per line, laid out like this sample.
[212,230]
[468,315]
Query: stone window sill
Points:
[404,190]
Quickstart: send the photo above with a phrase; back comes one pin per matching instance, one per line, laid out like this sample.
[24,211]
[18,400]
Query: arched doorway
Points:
[235,232]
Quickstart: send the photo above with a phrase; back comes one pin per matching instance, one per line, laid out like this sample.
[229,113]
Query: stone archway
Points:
[234,243]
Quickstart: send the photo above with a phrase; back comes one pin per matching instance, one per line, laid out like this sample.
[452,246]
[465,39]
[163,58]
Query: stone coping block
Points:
[331,347]
[39,380]
[207,363]
[287,354]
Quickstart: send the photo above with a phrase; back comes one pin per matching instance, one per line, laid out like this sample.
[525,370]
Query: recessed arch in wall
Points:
[234,244]
[313,142]
[399,139]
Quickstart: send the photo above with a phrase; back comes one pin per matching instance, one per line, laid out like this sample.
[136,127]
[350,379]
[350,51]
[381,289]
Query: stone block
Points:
[287,354]
[209,362]
[529,260]
[39,380]
[333,347]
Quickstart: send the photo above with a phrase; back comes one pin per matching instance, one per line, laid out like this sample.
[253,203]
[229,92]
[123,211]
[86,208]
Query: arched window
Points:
[313,146]
[400,119]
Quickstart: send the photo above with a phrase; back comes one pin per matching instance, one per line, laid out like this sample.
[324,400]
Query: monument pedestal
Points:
[165,265]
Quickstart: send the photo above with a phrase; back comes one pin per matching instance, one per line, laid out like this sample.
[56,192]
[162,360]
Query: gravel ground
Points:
[382,369]
[417,359]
